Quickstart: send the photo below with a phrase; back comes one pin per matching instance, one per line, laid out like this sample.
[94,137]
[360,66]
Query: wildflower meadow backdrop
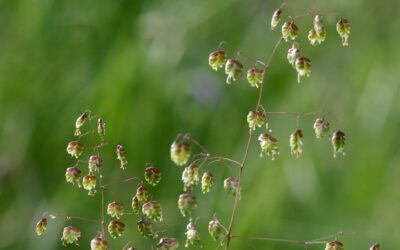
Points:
[143,66]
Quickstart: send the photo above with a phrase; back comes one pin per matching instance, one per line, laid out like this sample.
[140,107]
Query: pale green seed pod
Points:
[142,194]
[121,156]
[70,235]
[321,127]
[375,246]
[73,176]
[233,70]
[94,163]
[293,54]
[276,17]
[75,149]
[115,209]
[192,235]
[343,29]
[289,31]
[190,177]
[116,228]
[186,204]
[217,231]
[230,186]
[146,229]
[217,59]
[269,146]
[168,244]
[255,77]
[256,119]
[180,153]
[98,243]
[334,245]
[319,30]
[136,205]
[207,182]
[316,38]
[296,143]
[303,67]
[89,184]
[338,142]
[101,128]
[313,37]
[153,211]
[152,175]
[80,121]
[41,226]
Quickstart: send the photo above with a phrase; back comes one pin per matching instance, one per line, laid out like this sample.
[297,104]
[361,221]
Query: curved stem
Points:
[246,152]
[121,181]
[68,217]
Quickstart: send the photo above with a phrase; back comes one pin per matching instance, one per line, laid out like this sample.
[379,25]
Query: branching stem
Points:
[246,152]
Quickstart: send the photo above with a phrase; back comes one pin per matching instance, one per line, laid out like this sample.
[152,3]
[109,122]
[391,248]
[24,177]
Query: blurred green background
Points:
[142,66]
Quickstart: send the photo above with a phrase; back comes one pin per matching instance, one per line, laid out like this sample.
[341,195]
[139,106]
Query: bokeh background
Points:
[142,66]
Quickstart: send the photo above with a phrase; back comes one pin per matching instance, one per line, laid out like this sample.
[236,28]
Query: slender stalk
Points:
[103,220]
[246,152]
[82,219]
[120,181]
[269,239]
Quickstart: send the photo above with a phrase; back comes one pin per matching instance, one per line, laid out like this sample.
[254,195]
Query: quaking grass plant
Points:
[146,207]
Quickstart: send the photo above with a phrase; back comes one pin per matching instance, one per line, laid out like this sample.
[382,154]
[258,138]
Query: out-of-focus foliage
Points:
[143,65]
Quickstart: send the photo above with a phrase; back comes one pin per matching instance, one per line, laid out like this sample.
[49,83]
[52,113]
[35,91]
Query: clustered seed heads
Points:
[293,54]
[168,244]
[186,204]
[289,31]
[192,235]
[148,210]
[101,128]
[231,185]
[98,243]
[73,176]
[303,67]
[142,194]
[116,228]
[217,59]
[136,205]
[146,229]
[153,210]
[217,231]
[152,175]
[80,121]
[207,182]
[115,209]
[276,17]
[89,184]
[233,70]
[75,149]
[41,226]
[296,143]
[180,153]
[269,146]
[256,119]
[255,76]
[94,163]
[70,235]
[121,156]
[321,127]
[318,33]
[334,245]
[338,142]
[190,177]
[343,28]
